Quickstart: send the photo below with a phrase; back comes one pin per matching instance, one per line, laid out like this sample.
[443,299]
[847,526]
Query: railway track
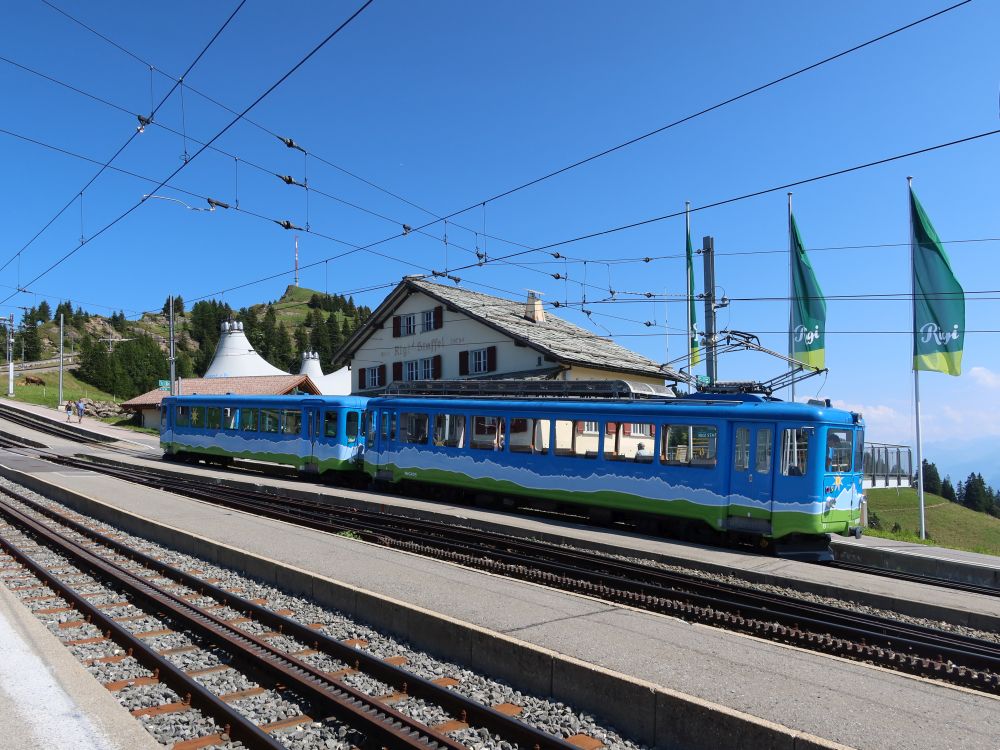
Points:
[899,575]
[878,640]
[158,586]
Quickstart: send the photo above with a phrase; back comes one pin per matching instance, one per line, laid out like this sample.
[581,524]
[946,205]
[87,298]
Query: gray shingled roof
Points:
[558,340]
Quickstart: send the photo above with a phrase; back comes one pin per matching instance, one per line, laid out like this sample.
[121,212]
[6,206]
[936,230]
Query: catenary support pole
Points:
[10,356]
[791,295]
[61,331]
[173,360]
[708,258]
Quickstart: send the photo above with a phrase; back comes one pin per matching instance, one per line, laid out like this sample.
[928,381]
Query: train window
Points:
[794,452]
[528,435]
[163,418]
[572,439]
[229,418]
[291,423]
[182,416]
[838,450]
[330,424]
[353,418]
[449,430]
[741,453]
[692,445]
[629,441]
[413,428]
[488,433]
[859,449]
[371,422]
[763,462]
[270,420]
[198,416]
[248,420]
[213,417]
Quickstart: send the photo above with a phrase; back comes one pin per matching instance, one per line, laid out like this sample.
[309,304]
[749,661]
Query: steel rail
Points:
[234,723]
[900,575]
[375,719]
[467,709]
[924,650]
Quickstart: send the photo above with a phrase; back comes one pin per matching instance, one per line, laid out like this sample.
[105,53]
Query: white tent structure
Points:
[235,357]
[335,384]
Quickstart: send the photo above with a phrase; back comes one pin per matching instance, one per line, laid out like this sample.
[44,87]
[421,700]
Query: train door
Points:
[751,489]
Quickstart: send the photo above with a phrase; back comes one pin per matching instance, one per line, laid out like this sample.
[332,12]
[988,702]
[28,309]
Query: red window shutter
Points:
[463,363]
[436,367]
[611,427]
[626,428]
[491,359]
[579,427]
[396,327]
[362,372]
[438,317]
[381,374]
[397,371]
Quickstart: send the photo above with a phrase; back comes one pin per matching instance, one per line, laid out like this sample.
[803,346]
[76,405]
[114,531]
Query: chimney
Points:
[533,310]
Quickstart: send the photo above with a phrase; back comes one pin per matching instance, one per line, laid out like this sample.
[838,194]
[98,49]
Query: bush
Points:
[874,522]
[896,528]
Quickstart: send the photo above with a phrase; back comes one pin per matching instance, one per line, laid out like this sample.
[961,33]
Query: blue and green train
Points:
[743,466]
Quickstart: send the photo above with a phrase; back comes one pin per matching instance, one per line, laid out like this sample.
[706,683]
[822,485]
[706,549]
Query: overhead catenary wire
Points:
[129,140]
[218,135]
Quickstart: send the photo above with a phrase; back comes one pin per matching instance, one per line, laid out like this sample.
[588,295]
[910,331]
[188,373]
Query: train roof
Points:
[266,401]
[748,407]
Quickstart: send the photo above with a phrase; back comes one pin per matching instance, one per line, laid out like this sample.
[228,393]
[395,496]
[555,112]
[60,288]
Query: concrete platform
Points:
[90,428]
[48,699]
[846,702]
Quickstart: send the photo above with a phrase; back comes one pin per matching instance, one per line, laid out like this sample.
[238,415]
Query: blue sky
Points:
[449,103]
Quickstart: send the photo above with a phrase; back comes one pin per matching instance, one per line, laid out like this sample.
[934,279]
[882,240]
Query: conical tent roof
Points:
[335,384]
[234,357]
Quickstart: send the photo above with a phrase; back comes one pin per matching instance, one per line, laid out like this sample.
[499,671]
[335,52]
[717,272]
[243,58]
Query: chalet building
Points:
[429,331]
[148,404]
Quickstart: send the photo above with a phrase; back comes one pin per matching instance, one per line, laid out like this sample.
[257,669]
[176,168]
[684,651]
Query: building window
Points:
[641,430]
[373,377]
[427,368]
[427,321]
[590,428]
[479,361]
[412,370]
[407,324]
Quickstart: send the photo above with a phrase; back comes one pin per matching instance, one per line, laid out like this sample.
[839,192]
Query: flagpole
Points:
[916,372]
[791,292]
[690,291]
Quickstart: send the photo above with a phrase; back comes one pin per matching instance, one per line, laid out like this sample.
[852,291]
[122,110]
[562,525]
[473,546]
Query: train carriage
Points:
[312,434]
[742,465]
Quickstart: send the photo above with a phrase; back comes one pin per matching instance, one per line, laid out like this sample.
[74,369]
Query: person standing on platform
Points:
[80,410]
[69,410]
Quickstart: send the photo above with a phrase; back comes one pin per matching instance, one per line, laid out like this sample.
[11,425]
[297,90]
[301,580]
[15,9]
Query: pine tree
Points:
[948,490]
[301,341]
[44,312]
[932,479]
[282,356]
[269,334]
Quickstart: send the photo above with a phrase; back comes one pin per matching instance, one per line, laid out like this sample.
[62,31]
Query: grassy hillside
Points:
[948,524]
[48,394]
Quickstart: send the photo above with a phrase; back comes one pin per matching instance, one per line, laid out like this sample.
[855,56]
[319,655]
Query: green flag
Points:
[694,350]
[808,319]
[938,300]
